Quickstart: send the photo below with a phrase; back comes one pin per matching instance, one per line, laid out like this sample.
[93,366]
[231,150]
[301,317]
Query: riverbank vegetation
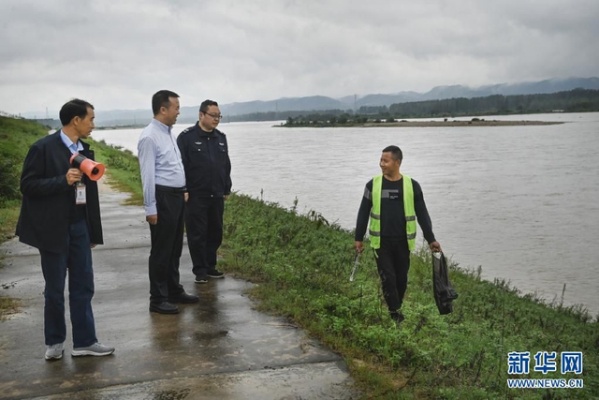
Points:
[577,100]
[122,170]
[365,122]
[300,265]
[16,135]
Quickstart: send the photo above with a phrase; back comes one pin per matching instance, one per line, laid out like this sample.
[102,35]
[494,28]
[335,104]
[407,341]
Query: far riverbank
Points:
[455,123]
[416,124]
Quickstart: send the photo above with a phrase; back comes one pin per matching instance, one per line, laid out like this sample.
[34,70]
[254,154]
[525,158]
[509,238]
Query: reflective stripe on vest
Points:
[375,212]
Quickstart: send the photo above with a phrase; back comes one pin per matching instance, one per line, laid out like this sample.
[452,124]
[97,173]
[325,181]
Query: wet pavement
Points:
[220,348]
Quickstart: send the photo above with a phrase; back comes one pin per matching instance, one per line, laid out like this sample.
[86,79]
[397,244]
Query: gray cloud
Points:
[116,54]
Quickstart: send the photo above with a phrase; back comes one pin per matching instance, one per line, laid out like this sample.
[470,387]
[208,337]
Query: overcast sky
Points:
[116,54]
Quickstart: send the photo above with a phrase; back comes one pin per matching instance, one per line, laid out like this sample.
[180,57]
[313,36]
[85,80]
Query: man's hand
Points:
[73,176]
[435,246]
[152,219]
[186,196]
[359,246]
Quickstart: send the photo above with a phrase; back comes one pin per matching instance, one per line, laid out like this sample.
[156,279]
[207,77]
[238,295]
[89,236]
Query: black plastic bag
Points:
[442,289]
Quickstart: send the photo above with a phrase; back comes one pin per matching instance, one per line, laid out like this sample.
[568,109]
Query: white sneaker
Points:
[96,349]
[54,352]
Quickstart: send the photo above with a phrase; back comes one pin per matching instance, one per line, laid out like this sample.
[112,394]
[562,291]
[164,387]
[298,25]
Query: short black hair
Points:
[395,152]
[207,103]
[161,99]
[73,108]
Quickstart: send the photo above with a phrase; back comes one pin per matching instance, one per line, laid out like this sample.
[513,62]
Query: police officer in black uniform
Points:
[205,155]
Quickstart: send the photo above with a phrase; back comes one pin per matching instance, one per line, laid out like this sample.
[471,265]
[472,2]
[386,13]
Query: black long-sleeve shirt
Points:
[393,220]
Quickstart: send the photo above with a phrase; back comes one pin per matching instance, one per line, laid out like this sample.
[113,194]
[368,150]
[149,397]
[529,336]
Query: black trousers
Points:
[204,224]
[393,264]
[167,246]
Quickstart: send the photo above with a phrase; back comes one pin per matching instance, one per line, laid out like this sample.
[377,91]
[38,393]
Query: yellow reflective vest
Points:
[375,212]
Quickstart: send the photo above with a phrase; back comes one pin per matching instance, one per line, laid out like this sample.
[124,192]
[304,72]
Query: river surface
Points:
[522,202]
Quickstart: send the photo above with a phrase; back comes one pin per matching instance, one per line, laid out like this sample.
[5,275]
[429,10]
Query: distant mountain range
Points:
[437,93]
[320,103]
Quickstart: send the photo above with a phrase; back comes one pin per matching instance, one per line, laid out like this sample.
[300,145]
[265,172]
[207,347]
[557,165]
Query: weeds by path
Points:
[301,265]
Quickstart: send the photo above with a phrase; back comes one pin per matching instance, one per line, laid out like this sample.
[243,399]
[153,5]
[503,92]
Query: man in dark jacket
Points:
[207,166]
[60,216]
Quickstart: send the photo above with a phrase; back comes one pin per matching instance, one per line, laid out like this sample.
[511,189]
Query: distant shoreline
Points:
[384,124]
[459,123]
[424,124]
[113,127]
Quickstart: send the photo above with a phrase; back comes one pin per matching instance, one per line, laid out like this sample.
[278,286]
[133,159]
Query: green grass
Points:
[301,268]
[15,138]
[122,170]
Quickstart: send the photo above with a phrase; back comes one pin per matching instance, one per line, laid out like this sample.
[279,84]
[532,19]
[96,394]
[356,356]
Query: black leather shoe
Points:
[164,308]
[185,298]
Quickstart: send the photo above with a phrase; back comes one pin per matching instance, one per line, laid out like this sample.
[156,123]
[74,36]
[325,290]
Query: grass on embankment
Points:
[15,138]
[122,170]
[301,268]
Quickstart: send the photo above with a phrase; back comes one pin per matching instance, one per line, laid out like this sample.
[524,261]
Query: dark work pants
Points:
[393,264]
[204,224]
[167,245]
[78,261]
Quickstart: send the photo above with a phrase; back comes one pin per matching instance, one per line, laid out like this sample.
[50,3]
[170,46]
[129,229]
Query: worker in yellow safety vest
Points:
[393,202]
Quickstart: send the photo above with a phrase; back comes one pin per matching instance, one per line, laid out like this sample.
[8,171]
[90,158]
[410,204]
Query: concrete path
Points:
[220,348]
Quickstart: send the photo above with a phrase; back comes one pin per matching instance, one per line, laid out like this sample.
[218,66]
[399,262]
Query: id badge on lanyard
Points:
[80,198]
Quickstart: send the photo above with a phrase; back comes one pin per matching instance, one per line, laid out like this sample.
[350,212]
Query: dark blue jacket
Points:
[206,161]
[48,200]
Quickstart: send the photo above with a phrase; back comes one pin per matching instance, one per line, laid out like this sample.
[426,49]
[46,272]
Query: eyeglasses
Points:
[215,116]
